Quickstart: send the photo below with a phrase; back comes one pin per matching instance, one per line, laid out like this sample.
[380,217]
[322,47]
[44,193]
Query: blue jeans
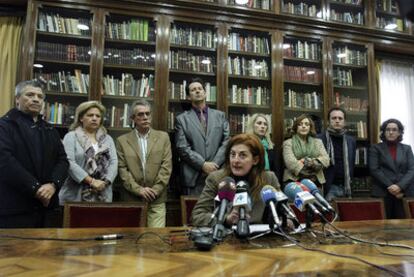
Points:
[335,191]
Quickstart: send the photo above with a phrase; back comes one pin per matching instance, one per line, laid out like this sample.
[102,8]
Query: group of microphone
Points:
[304,194]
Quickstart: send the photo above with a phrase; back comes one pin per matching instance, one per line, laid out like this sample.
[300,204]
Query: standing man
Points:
[341,149]
[201,135]
[145,163]
[33,163]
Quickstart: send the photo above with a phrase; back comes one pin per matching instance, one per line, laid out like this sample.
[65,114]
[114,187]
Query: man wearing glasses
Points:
[145,163]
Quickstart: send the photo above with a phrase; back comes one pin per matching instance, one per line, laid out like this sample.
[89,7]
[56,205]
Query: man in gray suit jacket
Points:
[201,135]
[392,165]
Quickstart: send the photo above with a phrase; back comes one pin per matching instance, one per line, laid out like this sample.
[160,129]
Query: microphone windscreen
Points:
[310,185]
[268,194]
[291,190]
[226,190]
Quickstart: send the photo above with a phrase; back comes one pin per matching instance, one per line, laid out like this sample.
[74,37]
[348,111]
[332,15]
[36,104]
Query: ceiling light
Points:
[242,2]
[38,65]
[83,27]
[391,26]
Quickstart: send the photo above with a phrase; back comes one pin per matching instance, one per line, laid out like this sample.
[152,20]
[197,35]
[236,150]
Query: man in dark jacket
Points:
[341,150]
[33,163]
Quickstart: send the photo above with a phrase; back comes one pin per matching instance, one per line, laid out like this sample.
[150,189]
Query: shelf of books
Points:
[62,61]
[307,8]
[388,17]
[128,67]
[193,53]
[249,66]
[302,79]
[347,11]
[251,4]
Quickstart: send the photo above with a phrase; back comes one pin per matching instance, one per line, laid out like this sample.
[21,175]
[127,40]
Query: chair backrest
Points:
[85,214]
[187,205]
[409,207]
[359,209]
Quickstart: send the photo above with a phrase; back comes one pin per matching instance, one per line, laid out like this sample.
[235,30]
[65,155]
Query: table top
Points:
[169,252]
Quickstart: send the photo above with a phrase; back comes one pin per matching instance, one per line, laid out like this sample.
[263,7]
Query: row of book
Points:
[353,2]
[342,77]
[53,22]
[360,184]
[361,156]
[302,100]
[382,22]
[345,55]
[390,6]
[249,43]
[133,29]
[134,56]
[118,117]
[248,67]
[301,9]
[358,129]
[63,52]
[190,36]
[65,82]
[302,74]
[255,4]
[187,61]
[250,95]
[351,103]
[128,85]
[59,113]
[238,122]
[177,91]
[347,17]
[302,50]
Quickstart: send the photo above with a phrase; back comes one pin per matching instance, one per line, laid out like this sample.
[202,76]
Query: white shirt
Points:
[143,146]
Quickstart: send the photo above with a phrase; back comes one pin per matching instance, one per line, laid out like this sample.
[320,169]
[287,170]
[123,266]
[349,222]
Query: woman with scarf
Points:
[259,125]
[341,149]
[304,155]
[92,157]
[391,164]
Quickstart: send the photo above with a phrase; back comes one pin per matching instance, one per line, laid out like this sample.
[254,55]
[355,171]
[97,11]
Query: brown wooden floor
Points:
[150,256]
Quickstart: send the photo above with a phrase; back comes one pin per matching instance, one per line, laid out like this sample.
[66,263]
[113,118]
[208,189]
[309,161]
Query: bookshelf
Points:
[62,61]
[388,17]
[128,67]
[249,65]
[252,4]
[347,11]
[193,53]
[302,78]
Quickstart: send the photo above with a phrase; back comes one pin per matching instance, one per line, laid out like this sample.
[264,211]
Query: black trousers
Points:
[394,208]
[37,219]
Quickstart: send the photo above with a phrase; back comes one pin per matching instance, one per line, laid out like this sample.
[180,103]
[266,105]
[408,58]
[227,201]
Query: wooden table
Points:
[271,255]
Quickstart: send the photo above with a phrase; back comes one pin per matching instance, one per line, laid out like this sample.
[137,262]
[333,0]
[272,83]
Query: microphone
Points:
[269,198]
[226,194]
[315,192]
[305,188]
[281,200]
[292,190]
[242,201]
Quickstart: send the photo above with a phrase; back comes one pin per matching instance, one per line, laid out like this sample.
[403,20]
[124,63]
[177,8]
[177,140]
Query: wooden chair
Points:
[359,209]
[85,214]
[187,205]
[409,207]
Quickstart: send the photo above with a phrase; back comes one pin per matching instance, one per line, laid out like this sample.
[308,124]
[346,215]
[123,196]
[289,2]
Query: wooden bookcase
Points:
[145,49]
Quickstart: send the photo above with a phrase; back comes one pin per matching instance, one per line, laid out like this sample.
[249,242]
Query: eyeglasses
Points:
[389,130]
[141,114]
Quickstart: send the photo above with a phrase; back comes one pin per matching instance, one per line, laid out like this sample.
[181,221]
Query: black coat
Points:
[20,172]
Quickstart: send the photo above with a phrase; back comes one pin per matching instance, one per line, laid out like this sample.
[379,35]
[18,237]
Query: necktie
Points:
[203,121]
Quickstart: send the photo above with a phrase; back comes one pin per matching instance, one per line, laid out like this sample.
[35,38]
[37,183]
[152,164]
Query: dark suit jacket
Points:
[386,171]
[330,171]
[195,147]
[20,171]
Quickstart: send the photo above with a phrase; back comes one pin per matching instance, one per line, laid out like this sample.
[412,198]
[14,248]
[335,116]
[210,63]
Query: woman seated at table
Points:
[92,157]
[259,125]
[391,163]
[304,155]
[244,160]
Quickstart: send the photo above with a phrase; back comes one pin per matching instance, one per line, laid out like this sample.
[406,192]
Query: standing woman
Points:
[92,157]
[244,161]
[260,126]
[391,164]
[303,154]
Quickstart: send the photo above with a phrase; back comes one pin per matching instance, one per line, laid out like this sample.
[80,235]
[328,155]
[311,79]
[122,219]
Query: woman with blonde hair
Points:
[92,157]
[304,154]
[259,125]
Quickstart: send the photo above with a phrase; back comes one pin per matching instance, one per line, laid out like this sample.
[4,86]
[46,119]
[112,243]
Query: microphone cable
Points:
[100,237]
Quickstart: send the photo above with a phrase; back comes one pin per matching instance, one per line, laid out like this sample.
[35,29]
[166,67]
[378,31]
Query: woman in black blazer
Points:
[391,164]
